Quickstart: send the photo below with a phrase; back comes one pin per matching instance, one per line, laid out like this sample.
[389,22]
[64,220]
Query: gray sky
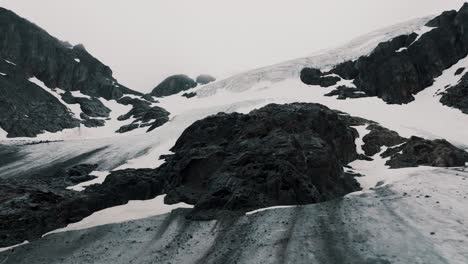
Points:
[144,41]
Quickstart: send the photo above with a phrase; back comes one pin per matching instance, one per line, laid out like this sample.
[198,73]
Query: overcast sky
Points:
[144,41]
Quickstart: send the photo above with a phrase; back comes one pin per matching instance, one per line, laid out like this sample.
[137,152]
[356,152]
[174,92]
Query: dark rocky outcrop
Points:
[399,68]
[313,76]
[26,109]
[189,95]
[277,155]
[205,79]
[92,107]
[173,85]
[457,96]
[378,137]
[459,71]
[343,92]
[144,115]
[29,207]
[418,151]
[53,62]
[28,51]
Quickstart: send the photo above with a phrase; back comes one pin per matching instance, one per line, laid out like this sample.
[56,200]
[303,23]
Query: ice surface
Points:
[130,211]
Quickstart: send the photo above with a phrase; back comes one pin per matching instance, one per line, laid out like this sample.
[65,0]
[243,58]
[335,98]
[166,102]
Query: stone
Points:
[173,85]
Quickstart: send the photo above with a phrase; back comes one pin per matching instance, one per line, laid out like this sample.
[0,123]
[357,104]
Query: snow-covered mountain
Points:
[352,155]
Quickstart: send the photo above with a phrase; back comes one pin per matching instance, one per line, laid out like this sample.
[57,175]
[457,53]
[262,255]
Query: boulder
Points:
[173,85]
[418,151]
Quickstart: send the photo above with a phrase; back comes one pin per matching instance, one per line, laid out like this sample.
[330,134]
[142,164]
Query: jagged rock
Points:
[173,85]
[127,128]
[457,96]
[459,71]
[90,122]
[344,92]
[144,115]
[313,76]
[279,154]
[379,137]
[149,98]
[30,207]
[91,107]
[189,95]
[418,151]
[399,68]
[28,110]
[205,79]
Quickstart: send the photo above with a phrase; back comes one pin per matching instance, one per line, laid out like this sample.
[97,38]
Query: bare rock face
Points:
[457,96]
[143,114]
[173,85]
[277,155]
[399,68]
[30,207]
[378,137]
[28,51]
[313,76]
[418,151]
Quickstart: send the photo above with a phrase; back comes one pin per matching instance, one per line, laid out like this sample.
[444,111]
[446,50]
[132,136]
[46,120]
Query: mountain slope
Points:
[41,77]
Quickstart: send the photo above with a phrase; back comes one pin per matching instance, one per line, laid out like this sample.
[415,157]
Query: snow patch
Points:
[270,208]
[362,131]
[78,94]
[3,133]
[3,74]
[101,176]
[423,30]
[77,60]
[402,49]
[9,62]
[75,109]
[133,210]
[14,246]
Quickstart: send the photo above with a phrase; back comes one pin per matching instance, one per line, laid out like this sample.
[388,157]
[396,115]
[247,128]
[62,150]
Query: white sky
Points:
[144,41]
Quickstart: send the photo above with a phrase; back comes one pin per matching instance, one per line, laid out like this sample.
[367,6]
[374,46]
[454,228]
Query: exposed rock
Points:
[189,95]
[92,107]
[31,207]
[28,110]
[459,71]
[277,155]
[418,151]
[379,137]
[127,128]
[313,76]
[457,96]
[90,122]
[205,79]
[144,115]
[399,68]
[344,92]
[173,85]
